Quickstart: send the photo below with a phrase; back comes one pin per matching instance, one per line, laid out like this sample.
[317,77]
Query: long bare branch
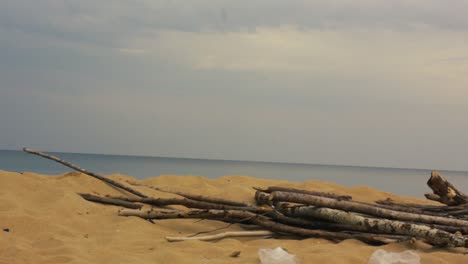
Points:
[92,174]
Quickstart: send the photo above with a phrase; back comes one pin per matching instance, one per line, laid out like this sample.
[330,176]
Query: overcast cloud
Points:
[376,83]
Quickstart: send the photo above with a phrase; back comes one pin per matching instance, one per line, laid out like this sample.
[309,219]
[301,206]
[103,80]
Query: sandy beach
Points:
[45,221]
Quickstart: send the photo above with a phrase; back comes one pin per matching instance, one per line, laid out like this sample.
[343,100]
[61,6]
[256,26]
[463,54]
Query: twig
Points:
[107,200]
[223,235]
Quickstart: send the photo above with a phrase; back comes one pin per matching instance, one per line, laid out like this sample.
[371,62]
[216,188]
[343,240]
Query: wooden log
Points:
[259,220]
[287,189]
[364,209]
[89,173]
[263,198]
[219,236]
[189,203]
[447,193]
[375,225]
[195,196]
[111,201]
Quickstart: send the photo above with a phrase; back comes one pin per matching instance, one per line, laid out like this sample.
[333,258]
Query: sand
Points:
[49,223]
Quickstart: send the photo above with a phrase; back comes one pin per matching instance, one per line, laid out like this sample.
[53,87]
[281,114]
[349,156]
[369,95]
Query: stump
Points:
[444,191]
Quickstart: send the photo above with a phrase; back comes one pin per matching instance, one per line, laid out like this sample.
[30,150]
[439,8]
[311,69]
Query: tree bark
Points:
[89,173]
[364,209]
[431,235]
[447,193]
[321,194]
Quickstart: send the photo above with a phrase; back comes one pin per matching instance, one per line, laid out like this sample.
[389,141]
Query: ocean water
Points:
[411,182]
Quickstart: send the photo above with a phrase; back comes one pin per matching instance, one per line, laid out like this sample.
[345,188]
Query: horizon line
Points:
[252,161]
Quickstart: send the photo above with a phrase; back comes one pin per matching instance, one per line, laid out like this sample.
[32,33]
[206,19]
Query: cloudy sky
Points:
[374,83]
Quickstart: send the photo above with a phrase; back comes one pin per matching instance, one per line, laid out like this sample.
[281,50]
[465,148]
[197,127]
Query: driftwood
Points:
[431,235]
[195,196]
[262,233]
[92,174]
[190,203]
[302,213]
[364,209]
[444,191]
[286,189]
[261,221]
[111,201]
[456,211]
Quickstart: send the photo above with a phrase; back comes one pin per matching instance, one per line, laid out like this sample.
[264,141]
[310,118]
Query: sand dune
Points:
[49,223]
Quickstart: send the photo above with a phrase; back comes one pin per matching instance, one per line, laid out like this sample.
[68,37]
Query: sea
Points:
[409,182]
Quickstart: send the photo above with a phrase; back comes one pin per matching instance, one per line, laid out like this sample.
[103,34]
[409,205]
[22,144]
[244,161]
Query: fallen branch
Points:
[294,190]
[223,235]
[364,209]
[190,204]
[259,220]
[194,196]
[92,174]
[111,201]
[385,226]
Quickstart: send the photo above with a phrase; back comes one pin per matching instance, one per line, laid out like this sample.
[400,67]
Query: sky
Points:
[366,83]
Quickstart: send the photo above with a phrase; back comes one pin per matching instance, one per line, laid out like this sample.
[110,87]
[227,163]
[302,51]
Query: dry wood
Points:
[446,192]
[287,189]
[263,198]
[195,196]
[190,204]
[219,236]
[260,221]
[457,211]
[364,209]
[92,174]
[431,235]
[107,200]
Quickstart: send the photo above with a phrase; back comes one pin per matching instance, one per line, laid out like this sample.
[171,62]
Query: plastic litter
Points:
[276,256]
[381,256]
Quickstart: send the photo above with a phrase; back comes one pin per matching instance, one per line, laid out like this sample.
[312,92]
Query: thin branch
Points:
[223,235]
[92,174]
[195,196]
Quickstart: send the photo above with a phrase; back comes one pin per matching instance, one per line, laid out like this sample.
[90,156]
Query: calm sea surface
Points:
[410,182]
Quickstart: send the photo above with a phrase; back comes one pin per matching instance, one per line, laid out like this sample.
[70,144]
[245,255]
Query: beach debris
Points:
[92,174]
[283,211]
[444,191]
[276,256]
[262,233]
[6,230]
[235,254]
[381,256]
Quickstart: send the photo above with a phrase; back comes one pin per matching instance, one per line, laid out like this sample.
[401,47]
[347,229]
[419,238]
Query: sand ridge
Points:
[49,223]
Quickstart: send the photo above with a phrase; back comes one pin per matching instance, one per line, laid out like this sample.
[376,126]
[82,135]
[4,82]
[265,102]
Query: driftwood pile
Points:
[280,211]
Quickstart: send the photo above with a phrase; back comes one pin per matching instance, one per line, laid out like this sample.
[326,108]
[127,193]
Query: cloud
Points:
[351,82]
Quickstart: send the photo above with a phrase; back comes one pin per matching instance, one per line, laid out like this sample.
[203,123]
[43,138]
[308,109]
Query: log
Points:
[287,189]
[447,193]
[375,225]
[223,235]
[363,209]
[89,173]
[259,220]
[111,201]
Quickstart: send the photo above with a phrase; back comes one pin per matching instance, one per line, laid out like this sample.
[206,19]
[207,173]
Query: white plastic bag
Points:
[276,256]
[381,256]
